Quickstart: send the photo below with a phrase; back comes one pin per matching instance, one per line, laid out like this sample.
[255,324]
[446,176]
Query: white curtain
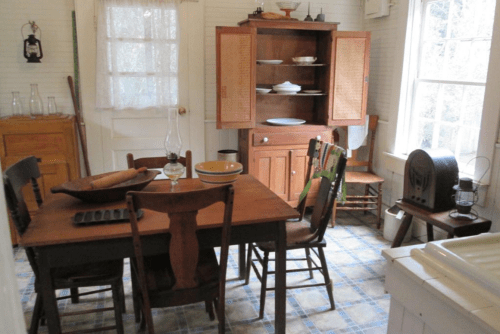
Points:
[137,54]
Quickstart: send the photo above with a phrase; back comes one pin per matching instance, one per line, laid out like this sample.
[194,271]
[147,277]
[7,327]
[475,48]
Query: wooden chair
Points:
[371,199]
[159,162]
[15,178]
[186,274]
[302,235]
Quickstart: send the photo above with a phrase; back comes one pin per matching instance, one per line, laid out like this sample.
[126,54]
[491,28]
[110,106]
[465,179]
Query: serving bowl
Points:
[304,60]
[287,88]
[262,90]
[293,5]
[218,171]
[81,189]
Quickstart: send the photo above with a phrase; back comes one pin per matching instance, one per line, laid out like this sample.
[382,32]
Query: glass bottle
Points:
[173,143]
[36,105]
[52,107]
[17,107]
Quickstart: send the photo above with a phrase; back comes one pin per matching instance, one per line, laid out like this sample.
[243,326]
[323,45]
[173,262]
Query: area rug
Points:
[356,267]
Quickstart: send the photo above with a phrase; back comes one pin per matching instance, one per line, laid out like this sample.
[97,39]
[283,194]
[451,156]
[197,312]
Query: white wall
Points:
[388,37]
[54,19]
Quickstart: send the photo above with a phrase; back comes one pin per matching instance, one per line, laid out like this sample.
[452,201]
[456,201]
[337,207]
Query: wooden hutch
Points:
[52,139]
[276,155]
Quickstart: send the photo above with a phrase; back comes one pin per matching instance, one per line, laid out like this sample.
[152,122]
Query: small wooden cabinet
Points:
[276,155]
[52,139]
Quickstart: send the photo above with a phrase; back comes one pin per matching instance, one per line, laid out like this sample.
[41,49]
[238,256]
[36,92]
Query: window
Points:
[447,74]
[137,54]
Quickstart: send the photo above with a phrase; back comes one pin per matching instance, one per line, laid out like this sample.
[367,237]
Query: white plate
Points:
[311,91]
[270,62]
[285,121]
[262,90]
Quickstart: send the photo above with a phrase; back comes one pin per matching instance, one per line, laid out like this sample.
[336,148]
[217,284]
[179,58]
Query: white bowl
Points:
[262,90]
[304,60]
[287,88]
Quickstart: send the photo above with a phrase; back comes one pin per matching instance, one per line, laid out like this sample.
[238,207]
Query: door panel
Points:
[351,61]
[273,170]
[299,160]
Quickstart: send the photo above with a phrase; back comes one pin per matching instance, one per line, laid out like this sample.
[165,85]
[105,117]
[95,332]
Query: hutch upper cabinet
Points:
[340,73]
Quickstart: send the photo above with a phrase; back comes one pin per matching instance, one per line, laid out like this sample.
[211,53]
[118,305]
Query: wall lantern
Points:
[32,45]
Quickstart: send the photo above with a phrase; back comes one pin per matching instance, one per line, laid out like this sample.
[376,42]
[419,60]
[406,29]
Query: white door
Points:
[113,134]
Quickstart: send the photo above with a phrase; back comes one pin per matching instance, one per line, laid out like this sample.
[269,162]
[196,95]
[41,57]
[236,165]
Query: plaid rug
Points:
[356,268]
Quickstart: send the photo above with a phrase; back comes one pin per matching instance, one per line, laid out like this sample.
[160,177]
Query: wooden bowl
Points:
[218,171]
[80,188]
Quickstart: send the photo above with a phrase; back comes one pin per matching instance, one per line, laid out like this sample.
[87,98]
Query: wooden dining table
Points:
[258,215]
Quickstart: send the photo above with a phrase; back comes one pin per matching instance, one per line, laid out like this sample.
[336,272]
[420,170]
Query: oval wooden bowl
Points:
[81,189]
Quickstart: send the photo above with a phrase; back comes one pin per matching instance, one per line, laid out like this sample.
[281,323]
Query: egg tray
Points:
[104,217]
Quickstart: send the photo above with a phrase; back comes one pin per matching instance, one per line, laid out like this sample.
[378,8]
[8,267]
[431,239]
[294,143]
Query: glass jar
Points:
[17,107]
[52,107]
[36,105]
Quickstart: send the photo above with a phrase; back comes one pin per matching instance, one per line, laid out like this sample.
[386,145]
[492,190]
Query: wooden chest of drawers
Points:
[52,139]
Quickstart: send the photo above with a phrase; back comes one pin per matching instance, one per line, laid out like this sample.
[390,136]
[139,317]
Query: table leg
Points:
[405,225]
[241,261]
[280,293]
[48,294]
[430,232]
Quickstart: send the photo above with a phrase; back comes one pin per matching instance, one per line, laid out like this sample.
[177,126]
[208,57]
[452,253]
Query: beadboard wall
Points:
[349,13]
[54,19]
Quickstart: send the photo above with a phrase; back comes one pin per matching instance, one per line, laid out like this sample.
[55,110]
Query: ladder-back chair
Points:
[160,162]
[107,273]
[371,197]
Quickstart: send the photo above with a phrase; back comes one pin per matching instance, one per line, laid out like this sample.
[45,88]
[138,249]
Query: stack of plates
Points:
[270,62]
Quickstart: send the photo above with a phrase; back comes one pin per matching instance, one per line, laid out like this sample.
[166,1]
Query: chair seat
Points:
[297,233]
[362,177]
[104,271]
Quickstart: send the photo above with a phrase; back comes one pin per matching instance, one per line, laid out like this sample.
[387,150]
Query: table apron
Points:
[119,248]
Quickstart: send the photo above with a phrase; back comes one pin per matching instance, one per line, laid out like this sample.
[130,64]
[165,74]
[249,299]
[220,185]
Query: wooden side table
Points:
[454,227]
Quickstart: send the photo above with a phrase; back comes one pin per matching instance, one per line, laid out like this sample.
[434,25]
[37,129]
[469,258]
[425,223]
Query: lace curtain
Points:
[137,54]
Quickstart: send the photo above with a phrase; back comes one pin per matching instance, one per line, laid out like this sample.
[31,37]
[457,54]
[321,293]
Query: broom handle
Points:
[80,126]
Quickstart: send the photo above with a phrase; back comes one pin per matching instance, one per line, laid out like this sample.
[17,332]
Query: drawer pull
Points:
[318,137]
[265,139]
[293,172]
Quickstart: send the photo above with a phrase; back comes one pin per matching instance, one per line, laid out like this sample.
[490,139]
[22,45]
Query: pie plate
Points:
[270,62]
[286,121]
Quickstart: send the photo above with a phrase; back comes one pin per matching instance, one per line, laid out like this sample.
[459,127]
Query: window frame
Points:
[411,56]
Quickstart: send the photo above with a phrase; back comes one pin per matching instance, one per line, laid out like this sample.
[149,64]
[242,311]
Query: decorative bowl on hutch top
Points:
[218,171]
[287,6]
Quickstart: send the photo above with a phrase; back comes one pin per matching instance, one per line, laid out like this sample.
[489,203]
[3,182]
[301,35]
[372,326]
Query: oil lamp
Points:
[173,143]
[465,197]
[32,45]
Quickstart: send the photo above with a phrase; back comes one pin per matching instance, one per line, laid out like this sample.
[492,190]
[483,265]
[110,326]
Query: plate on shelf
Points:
[270,62]
[311,91]
[286,121]
[262,90]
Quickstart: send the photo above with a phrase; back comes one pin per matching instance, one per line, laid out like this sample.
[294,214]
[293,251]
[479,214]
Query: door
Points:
[113,134]
[349,77]
[236,74]
[272,168]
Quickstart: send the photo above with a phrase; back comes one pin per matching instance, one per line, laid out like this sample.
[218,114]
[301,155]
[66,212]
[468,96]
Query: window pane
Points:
[469,141]
[447,137]
[422,134]
[485,16]
[432,60]
[452,102]
[436,20]
[426,100]
[480,56]
[126,22]
[473,105]
[463,19]
[138,92]
[457,60]
[130,57]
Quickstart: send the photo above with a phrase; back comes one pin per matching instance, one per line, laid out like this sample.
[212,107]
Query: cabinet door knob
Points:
[294,172]
[318,137]
[265,139]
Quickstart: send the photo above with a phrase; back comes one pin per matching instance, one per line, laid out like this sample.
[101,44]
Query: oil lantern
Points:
[32,45]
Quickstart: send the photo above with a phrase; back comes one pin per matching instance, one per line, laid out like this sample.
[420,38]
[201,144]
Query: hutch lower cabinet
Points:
[333,92]
[52,139]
